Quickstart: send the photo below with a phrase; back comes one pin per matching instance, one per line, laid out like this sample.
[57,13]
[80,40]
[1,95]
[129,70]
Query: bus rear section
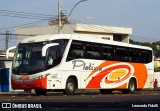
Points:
[108,67]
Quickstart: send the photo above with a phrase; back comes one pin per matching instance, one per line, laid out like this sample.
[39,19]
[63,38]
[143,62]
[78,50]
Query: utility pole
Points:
[59,17]
[7,37]
[72,11]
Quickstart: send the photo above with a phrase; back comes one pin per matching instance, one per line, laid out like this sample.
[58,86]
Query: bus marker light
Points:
[24,77]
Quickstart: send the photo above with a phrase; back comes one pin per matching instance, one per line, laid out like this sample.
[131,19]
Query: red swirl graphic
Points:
[95,81]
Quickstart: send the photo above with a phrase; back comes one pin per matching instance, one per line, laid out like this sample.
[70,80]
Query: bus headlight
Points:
[36,78]
[42,76]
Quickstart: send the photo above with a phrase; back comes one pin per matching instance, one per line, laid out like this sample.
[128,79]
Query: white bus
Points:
[67,62]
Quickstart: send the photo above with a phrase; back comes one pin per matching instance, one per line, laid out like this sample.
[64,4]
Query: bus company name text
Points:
[81,63]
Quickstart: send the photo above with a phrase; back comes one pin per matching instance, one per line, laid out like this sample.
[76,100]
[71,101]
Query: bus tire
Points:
[132,86]
[70,87]
[40,92]
[105,91]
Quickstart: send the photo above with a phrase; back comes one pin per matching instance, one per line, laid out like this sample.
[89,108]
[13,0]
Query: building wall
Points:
[96,35]
[105,32]
[33,31]
[103,29]
[125,38]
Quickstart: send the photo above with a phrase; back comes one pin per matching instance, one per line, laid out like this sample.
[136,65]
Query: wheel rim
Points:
[132,87]
[70,87]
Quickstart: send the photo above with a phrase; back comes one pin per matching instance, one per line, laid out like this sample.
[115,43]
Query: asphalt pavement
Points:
[85,100]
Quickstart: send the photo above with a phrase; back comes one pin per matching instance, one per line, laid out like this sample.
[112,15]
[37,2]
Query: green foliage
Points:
[153,45]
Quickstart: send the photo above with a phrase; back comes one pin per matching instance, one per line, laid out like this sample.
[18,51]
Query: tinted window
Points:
[107,52]
[55,53]
[89,50]
[76,51]
[145,56]
[92,51]
[133,55]
[121,54]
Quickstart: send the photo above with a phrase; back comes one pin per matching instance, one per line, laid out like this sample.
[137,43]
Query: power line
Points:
[19,34]
[30,24]
[142,38]
[23,14]
[28,17]
[41,17]
[27,5]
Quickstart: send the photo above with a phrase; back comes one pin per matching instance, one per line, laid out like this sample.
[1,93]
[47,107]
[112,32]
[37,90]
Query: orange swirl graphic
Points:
[95,82]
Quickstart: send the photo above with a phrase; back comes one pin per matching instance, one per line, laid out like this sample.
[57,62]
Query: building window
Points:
[117,37]
[107,38]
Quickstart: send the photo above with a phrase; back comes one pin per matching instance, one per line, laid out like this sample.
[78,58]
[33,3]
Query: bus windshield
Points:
[28,58]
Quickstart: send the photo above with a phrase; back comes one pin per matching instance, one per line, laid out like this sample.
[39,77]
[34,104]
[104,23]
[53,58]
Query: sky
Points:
[142,16]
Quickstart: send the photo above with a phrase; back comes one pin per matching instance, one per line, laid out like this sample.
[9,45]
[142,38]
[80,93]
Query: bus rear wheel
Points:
[70,87]
[40,92]
[131,87]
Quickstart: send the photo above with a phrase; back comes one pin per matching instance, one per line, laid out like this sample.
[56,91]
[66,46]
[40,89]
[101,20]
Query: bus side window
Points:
[76,51]
[145,56]
[92,51]
[140,56]
[133,55]
[107,52]
[54,57]
[71,55]
[122,54]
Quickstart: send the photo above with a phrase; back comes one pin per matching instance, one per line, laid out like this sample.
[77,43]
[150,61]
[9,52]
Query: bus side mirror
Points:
[9,49]
[45,47]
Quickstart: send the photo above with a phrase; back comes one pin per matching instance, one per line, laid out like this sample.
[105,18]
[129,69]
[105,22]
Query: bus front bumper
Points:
[37,84]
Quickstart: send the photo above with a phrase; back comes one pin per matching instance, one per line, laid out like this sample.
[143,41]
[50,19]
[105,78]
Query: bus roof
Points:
[50,37]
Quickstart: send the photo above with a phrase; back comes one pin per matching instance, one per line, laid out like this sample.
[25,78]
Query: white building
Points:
[106,32]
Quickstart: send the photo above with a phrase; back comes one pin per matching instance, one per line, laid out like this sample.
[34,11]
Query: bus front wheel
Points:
[40,92]
[70,87]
